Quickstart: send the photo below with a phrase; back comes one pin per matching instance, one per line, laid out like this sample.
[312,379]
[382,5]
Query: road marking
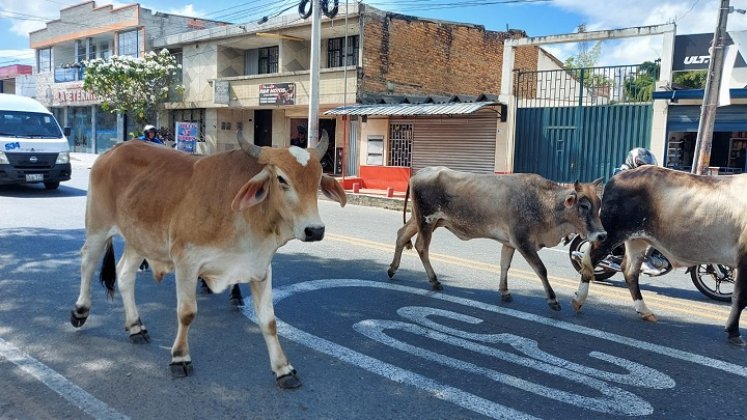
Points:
[443,391]
[684,306]
[69,391]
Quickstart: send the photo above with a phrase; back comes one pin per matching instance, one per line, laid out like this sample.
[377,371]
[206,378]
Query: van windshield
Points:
[28,125]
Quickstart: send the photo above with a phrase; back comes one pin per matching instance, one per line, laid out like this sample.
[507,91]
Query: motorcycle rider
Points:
[640,156]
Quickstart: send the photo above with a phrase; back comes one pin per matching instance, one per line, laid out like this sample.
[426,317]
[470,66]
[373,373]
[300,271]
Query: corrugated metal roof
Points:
[451,108]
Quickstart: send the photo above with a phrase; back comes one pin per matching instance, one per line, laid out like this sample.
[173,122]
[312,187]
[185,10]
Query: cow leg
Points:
[90,254]
[507,254]
[127,273]
[186,310]
[634,253]
[422,245]
[404,236]
[285,375]
[539,268]
[591,258]
[738,303]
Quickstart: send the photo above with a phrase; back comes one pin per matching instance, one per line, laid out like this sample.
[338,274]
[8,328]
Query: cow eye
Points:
[283,183]
[584,205]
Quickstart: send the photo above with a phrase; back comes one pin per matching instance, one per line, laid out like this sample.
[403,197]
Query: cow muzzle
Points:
[598,236]
[313,233]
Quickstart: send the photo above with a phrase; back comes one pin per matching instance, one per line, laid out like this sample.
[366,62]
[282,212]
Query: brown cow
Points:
[691,219]
[524,212]
[220,217]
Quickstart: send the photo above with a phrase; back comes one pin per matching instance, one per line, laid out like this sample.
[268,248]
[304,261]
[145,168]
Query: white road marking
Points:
[58,383]
[465,399]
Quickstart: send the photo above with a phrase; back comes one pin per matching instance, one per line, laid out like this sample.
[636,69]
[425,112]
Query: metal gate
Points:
[578,124]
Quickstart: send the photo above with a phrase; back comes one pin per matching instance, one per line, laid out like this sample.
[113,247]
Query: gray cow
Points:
[524,212]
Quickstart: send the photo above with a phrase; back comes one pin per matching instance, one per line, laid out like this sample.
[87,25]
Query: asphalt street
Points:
[365,347]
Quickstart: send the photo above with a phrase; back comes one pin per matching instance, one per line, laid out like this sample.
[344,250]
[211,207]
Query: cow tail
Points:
[404,210]
[108,273]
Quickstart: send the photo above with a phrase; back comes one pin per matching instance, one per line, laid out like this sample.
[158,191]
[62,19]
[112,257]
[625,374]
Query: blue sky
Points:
[18,17]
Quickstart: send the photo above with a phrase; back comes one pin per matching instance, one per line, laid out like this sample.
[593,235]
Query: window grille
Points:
[335,47]
[400,144]
[268,60]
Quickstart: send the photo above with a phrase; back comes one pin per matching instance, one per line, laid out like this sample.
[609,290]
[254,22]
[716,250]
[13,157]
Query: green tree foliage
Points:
[639,87]
[695,79]
[138,85]
[587,57]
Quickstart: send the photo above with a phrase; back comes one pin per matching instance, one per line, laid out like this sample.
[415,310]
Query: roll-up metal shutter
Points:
[684,118]
[464,143]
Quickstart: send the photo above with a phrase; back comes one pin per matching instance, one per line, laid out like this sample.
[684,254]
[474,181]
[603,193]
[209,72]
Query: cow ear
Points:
[253,192]
[570,200]
[333,190]
[599,186]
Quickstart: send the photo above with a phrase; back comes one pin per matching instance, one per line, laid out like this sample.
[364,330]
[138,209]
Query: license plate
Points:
[34,177]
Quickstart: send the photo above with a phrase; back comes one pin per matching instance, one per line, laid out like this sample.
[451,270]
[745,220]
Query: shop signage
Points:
[186,136]
[72,96]
[277,94]
[692,52]
[221,94]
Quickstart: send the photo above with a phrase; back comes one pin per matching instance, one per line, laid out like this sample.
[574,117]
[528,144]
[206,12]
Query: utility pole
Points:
[316,41]
[704,140]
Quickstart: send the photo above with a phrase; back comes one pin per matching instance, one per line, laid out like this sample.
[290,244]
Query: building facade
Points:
[14,78]
[255,77]
[83,32]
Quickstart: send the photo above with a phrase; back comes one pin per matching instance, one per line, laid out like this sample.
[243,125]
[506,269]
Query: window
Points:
[128,43]
[44,60]
[268,60]
[335,47]
[105,52]
[400,144]
[80,51]
[375,150]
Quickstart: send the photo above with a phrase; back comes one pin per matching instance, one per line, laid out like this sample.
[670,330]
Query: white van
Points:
[33,148]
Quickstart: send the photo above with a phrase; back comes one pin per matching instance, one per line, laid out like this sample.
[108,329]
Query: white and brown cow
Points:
[524,212]
[691,219]
[220,217]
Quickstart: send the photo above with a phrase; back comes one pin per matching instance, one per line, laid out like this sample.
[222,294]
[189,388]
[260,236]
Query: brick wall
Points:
[403,55]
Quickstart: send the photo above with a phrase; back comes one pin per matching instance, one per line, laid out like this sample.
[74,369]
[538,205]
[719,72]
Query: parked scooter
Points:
[713,280]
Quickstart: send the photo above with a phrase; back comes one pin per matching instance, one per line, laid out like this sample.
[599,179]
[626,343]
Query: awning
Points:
[451,108]
[685,118]
[675,95]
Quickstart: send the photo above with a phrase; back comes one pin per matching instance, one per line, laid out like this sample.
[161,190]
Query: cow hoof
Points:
[437,287]
[649,317]
[507,298]
[737,341]
[576,306]
[236,301]
[141,337]
[555,306]
[180,369]
[390,273]
[78,317]
[288,381]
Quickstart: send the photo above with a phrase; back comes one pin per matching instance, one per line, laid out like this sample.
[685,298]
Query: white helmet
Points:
[639,157]
[148,128]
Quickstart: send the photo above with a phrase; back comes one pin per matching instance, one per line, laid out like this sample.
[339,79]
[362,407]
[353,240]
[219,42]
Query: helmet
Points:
[639,157]
[149,128]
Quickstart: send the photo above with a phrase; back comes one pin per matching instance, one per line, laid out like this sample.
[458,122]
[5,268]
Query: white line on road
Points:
[58,383]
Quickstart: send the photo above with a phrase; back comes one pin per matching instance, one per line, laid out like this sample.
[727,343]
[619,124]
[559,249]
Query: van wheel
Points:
[52,185]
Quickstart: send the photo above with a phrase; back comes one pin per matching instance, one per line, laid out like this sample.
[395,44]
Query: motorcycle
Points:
[715,281]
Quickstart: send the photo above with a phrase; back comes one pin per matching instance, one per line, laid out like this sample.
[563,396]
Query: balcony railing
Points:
[69,74]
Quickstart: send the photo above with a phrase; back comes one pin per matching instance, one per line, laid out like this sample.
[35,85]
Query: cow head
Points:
[288,185]
[582,205]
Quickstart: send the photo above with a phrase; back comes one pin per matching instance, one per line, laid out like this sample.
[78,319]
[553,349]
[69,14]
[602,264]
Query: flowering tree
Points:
[138,85]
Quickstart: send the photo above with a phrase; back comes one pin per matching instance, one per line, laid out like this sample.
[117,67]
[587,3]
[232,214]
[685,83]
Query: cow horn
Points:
[321,147]
[251,149]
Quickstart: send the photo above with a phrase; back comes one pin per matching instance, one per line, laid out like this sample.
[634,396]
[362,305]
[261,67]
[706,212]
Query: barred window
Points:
[400,144]
[335,47]
[268,60]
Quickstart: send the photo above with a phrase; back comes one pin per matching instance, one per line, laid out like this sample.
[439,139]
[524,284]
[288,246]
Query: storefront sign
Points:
[692,52]
[221,92]
[277,94]
[72,96]
[186,136]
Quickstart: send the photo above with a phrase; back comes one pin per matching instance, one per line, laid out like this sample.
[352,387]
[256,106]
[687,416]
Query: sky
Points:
[535,17]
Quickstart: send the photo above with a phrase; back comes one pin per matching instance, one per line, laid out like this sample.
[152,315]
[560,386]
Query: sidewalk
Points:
[364,197]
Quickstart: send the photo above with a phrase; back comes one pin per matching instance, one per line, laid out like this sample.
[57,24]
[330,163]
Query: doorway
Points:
[263,127]
[329,165]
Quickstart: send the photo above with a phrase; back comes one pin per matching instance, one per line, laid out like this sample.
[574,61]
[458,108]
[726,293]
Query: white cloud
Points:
[23,56]
[186,10]
[689,16]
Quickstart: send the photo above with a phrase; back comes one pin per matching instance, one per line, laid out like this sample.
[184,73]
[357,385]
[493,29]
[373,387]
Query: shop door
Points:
[263,127]
[332,160]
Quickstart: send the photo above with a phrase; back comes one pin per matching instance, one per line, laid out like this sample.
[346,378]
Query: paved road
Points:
[365,347]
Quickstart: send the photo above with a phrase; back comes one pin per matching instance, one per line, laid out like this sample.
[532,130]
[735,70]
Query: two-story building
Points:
[394,89]
[86,31]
